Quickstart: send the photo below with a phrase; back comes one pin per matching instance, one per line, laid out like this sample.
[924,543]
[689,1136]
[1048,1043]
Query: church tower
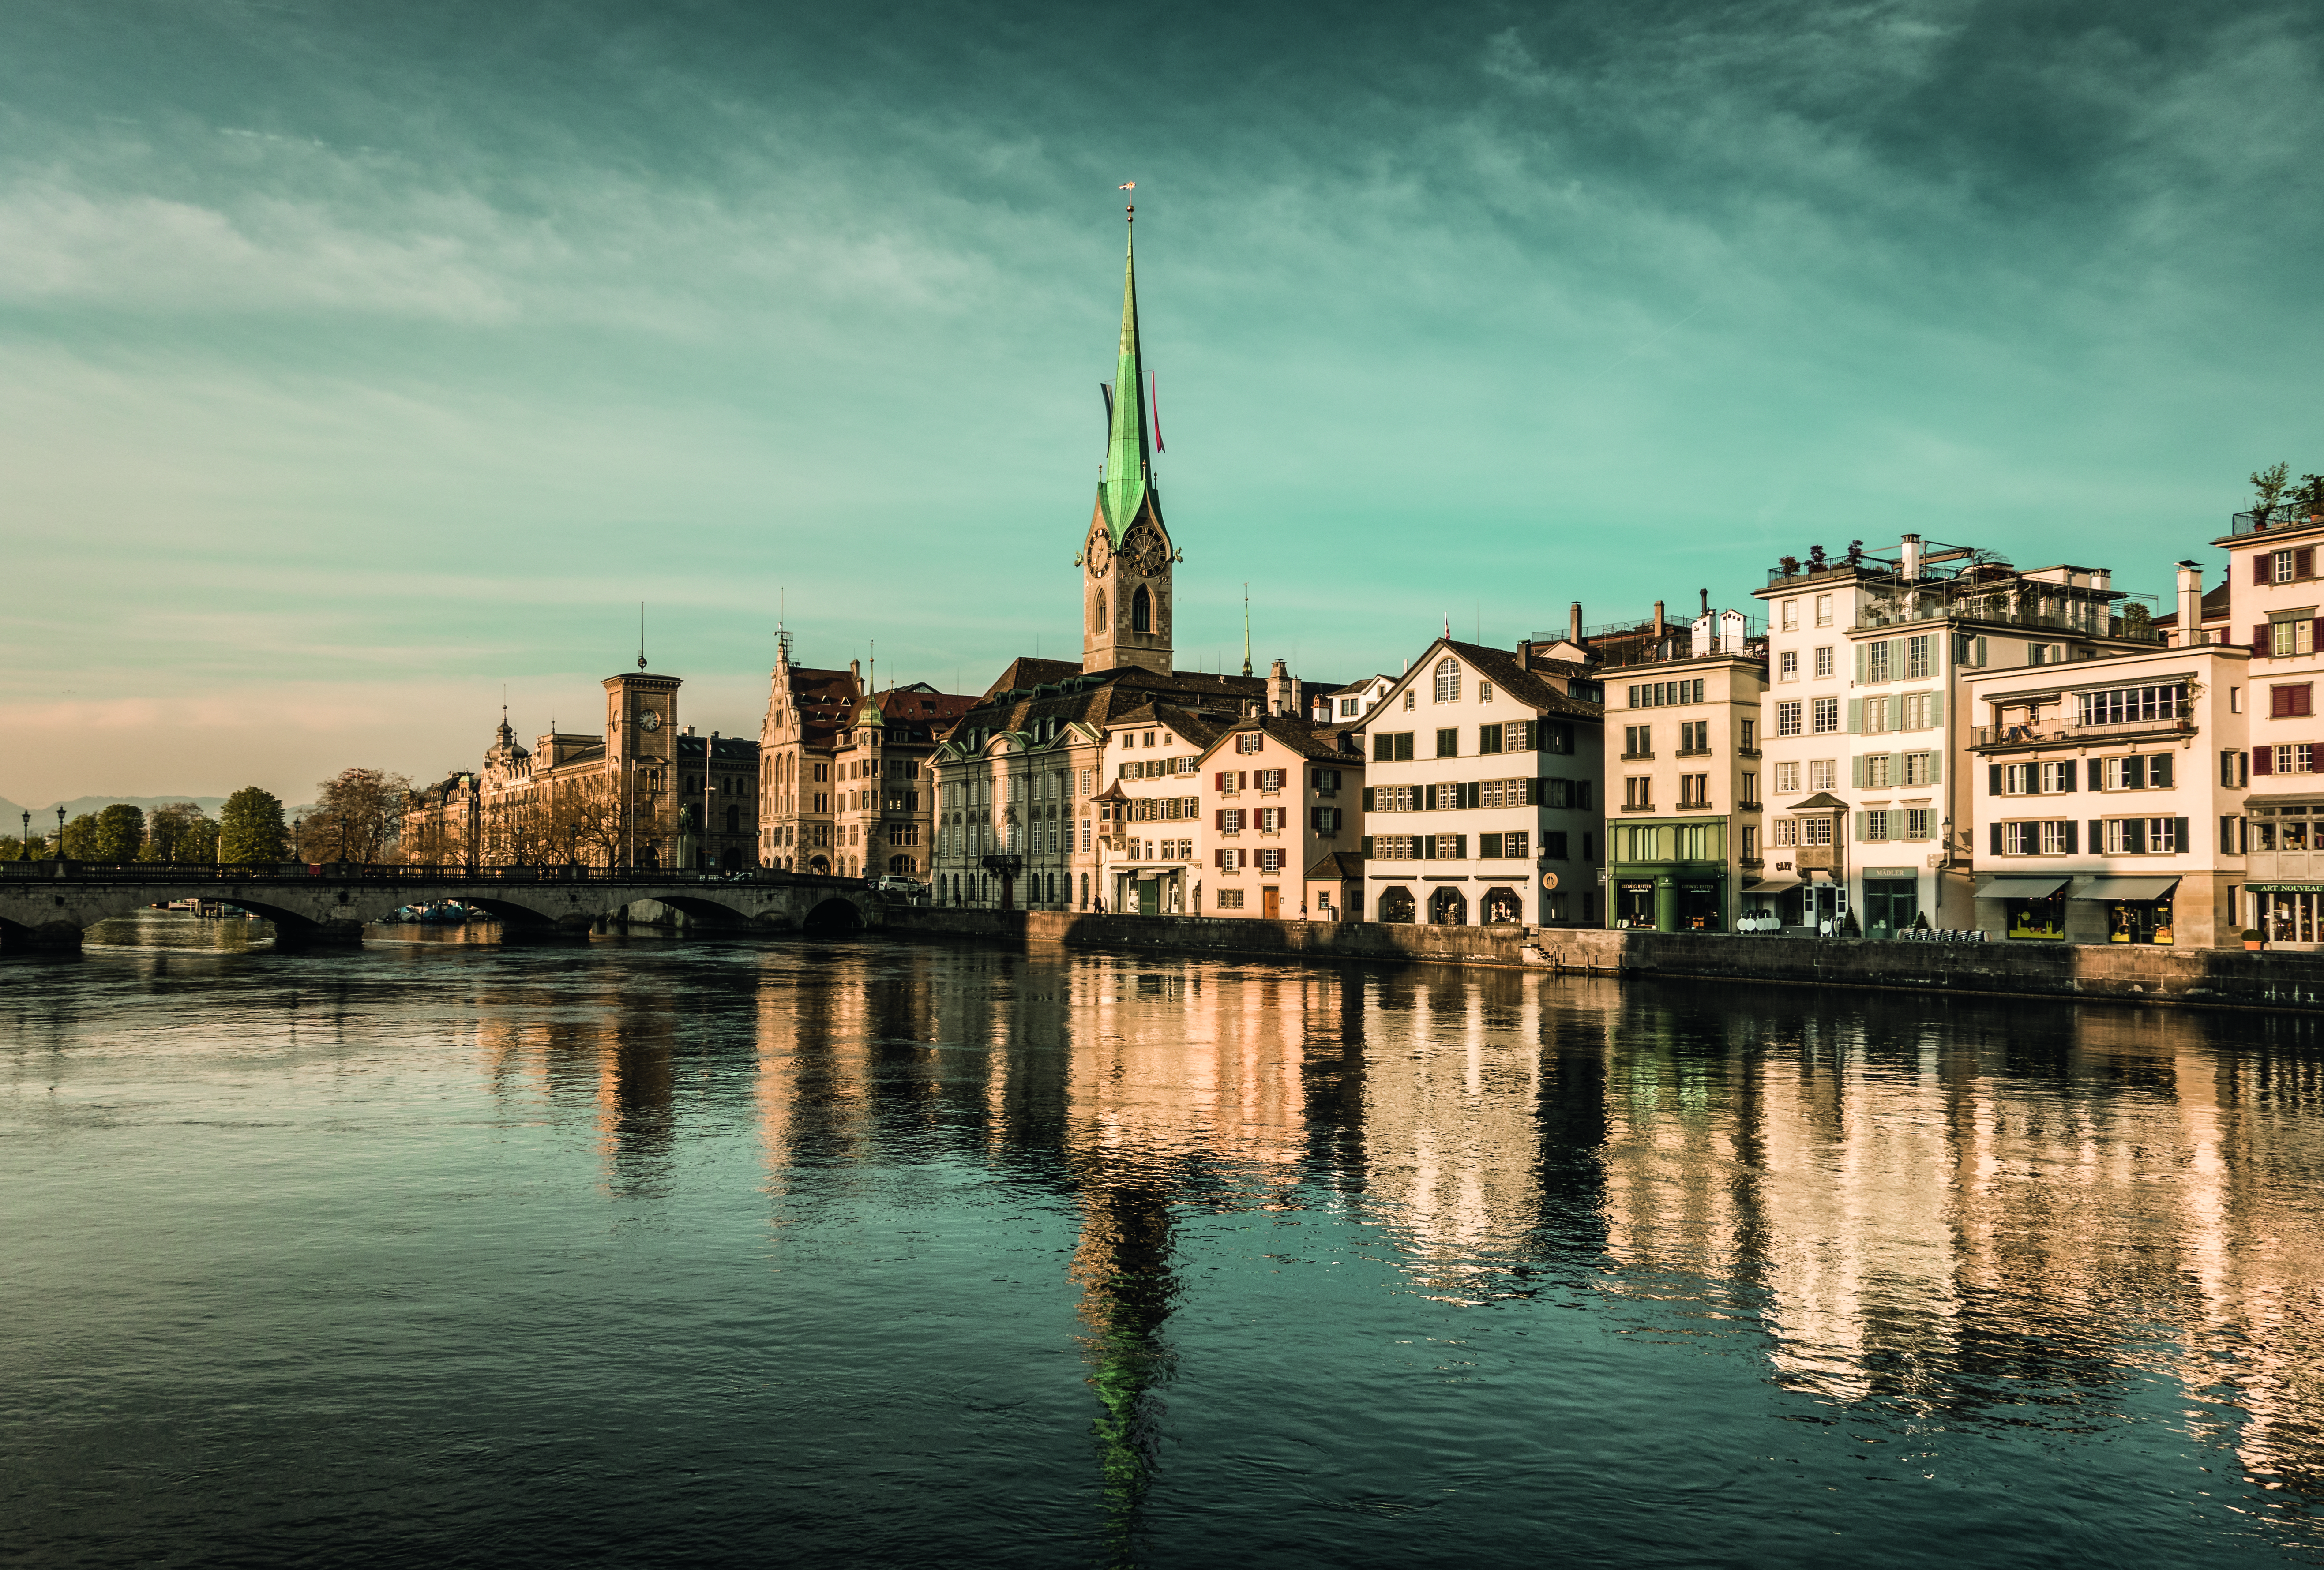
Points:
[1126,560]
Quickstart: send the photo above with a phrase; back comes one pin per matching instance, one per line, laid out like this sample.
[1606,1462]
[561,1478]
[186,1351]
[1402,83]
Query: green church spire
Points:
[1127,464]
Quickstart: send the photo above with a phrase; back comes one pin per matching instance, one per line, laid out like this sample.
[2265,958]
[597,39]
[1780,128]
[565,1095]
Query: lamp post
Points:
[60,831]
[27,833]
[296,854]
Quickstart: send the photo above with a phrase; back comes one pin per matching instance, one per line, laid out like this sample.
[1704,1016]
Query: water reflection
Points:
[1944,1221]
[180,929]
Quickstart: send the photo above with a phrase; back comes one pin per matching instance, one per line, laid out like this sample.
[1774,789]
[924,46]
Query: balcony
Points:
[2285,516]
[1984,737]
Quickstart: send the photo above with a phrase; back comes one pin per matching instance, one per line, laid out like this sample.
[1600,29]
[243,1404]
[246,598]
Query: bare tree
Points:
[358,815]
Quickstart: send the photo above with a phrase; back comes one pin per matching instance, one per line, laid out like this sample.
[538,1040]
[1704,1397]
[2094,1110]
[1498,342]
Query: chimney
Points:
[1281,692]
[1572,626]
[2191,605]
[856,669]
[1909,558]
[1706,600]
[1660,627]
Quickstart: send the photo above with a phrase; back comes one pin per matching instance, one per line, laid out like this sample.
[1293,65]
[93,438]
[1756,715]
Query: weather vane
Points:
[1130,208]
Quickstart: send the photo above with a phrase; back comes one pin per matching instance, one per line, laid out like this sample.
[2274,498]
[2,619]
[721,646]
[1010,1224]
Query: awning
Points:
[2019,888]
[1772,886]
[2129,888]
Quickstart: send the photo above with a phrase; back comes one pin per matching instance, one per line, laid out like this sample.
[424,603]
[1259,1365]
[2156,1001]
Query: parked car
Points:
[903,888]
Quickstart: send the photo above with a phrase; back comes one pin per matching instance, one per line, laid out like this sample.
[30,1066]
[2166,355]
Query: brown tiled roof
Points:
[1500,666]
[1345,865]
[1304,736]
[1027,670]
[1103,698]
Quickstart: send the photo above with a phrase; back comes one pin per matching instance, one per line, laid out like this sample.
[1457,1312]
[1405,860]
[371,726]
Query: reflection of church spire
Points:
[1123,1266]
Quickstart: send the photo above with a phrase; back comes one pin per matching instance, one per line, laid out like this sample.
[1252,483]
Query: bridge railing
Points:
[193,873]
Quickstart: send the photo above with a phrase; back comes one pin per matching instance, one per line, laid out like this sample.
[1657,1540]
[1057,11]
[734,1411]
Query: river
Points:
[872,1251]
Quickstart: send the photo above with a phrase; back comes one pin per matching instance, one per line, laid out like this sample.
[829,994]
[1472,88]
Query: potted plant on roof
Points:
[2254,940]
[2268,486]
[2308,498]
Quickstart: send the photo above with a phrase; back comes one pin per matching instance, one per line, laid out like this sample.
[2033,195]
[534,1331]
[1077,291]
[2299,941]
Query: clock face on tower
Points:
[1143,552]
[652,722]
[1099,554]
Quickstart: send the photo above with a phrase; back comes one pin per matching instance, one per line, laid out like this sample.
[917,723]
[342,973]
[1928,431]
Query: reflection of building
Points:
[846,777]
[642,793]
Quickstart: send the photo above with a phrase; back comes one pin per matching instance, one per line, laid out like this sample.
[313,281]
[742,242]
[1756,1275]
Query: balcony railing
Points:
[2074,732]
[2283,517]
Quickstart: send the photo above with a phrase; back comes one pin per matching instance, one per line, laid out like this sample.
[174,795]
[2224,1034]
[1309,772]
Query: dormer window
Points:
[1448,680]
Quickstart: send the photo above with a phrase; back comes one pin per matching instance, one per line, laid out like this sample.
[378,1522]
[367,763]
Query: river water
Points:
[872,1251]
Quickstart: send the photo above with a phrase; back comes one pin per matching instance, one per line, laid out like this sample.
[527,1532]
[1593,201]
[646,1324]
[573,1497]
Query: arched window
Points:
[1100,611]
[1141,612]
[1448,680]
[1084,891]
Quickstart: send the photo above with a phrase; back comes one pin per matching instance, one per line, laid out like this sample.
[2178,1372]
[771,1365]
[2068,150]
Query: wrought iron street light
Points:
[27,833]
[60,831]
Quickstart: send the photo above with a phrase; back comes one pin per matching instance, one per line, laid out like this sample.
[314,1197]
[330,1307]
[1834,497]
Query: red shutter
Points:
[2259,568]
[2303,563]
[2262,760]
[1222,818]
[2315,634]
[2259,638]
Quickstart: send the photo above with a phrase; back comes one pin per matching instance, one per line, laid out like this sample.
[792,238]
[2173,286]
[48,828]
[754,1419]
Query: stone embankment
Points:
[2112,972]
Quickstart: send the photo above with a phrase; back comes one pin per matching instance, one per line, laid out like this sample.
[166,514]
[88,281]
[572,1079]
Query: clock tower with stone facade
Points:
[1126,560]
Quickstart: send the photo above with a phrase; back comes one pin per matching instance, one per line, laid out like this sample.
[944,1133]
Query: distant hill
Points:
[12,814]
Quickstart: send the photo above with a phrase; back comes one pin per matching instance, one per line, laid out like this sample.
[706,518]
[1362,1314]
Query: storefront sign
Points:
[1549,880]
[2285,888]
[1891,872]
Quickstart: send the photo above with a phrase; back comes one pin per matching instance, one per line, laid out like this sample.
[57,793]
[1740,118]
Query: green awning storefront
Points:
[2019,888]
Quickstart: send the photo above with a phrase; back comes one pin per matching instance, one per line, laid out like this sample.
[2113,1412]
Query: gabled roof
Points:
[1025,671]
[731,749]
[1500,666]
[1345,865]
[1100,699]
[1304,736]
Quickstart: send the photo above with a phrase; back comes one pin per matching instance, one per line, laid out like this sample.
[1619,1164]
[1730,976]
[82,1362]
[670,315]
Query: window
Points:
[1825,716]
[2291,635]
[1918,768]
[1875,716]
[1787,666]
[2280,564]
[1661,694]
[1694,790]
[1791,616]
[1918,654]
[1638,792]
[1824,666]
[1395,747]
[1787,779]
[1815,831]
[1389,848]
[2299,758]
[1637,741]
[1875,774]
[1823,610]
[2293,699]
[1750,734]
[1484,692]
[1876,825]
[1410,697]
[1824,774]
[2131,705]
[1750,843]
[1876,662]
[1448,743]
[2235,771]
[1916,822]
[1788,719]
[1448,680]
[2057,777]
[1271,779]
[1229,899]
[1694,736]
[1552,845]
[2018,839]
[1250,741]
[2056,838]
[1494,846]
[1229,820]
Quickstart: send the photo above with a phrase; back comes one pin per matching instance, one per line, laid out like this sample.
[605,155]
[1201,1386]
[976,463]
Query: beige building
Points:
[1279,795]
[1480,796]
[1683,806]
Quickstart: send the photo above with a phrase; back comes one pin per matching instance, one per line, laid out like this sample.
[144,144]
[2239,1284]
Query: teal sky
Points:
[362,359]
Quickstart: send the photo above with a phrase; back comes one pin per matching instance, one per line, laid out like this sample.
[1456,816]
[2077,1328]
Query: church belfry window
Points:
[1141,612]
[1101,613]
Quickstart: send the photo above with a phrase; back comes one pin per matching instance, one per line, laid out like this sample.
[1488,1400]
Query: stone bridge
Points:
[48,904]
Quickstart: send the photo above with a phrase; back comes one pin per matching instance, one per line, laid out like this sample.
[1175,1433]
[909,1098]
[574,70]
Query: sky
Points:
[361,362]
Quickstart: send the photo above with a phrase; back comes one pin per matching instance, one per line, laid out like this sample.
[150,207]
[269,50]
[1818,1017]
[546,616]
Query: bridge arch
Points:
[835,915]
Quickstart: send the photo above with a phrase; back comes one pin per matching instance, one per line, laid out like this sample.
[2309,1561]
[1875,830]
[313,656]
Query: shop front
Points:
[2138,909]
[1892,900]
[1678,899]
[2288,912]
[2033,908]
[1776,899]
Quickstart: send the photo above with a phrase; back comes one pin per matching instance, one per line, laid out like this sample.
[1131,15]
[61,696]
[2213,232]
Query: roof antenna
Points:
[641,634]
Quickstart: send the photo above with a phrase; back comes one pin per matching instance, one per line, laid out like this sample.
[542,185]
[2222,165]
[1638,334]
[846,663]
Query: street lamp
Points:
[27,833]
[296,853]
[60,831]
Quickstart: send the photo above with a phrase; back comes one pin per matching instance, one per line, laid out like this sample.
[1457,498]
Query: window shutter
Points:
[1992,779]
[2180,846]
[1859,828]
[1860,664]
[1219,818]
[1996,838]
[2262,760]
[1368,798]
[1937,707]
[1533,792]
[2158,770]
[2073,847]
[1368,848]
[2259,638]
[1856,716]
[1856,771]
[1897,770]
[2315,633]
[2303,563]
[1459,847]
[2097,774]
[2259,568]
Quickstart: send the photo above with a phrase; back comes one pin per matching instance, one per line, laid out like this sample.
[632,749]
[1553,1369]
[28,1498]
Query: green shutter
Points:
[1859,828]
[1897,770]
[1368,798]
[1860,664]
[1856,771]
[1368,848]
[1856,716]
[1936,768]
[1937,707]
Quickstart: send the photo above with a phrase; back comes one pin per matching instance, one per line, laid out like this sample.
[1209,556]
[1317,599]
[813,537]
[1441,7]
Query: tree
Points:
[79,839]
[250,829]
[2308,497]
[2268,486]
[357,815]
[120,834]
[180,832]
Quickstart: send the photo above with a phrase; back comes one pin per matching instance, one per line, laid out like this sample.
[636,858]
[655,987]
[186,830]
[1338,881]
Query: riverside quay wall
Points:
[2112,972]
